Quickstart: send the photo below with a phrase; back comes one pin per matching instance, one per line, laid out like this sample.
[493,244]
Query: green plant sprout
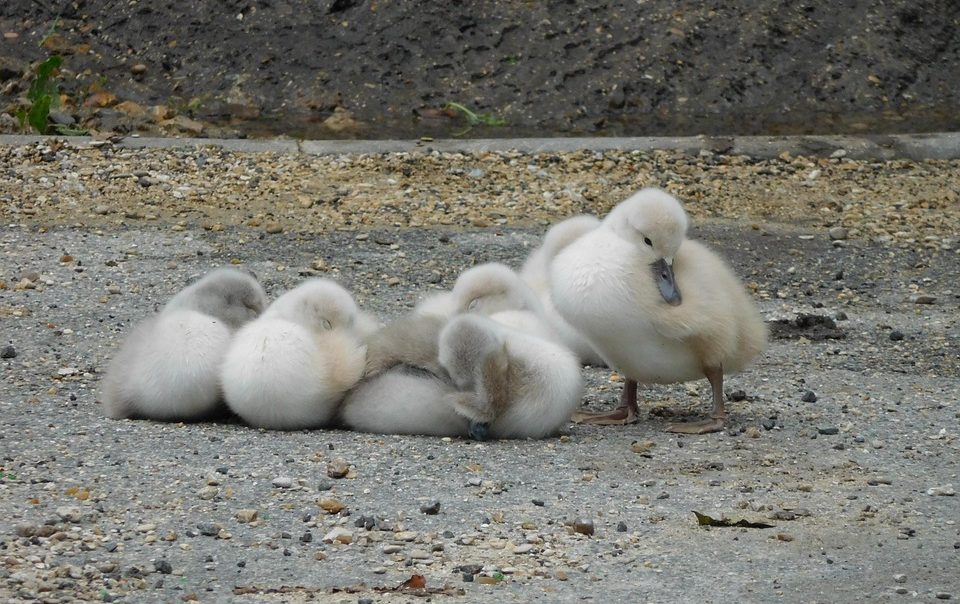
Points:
[474,119]
[44,95]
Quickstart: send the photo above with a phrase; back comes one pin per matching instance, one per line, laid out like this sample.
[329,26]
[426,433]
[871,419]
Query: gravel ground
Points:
[843,435]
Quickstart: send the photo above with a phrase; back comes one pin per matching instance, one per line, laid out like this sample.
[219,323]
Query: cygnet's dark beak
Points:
[663,275]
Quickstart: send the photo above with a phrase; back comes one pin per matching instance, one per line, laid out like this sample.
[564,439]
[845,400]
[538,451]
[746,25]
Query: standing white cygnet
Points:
[290,368]
[168,366]
[659,307]
[523,386]
[536,274]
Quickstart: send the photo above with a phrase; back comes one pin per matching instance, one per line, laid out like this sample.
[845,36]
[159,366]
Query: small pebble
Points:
[338,535]
[324,485]
[209,529]
[621,527]
[896,335]
[8,352]
[809,397]
[283,482]
[330,505]
[838,233]
[163,567]
[431,509]
[338,468]
[828,430]
[69,513]
[246,515]
[943,491]
[584,527]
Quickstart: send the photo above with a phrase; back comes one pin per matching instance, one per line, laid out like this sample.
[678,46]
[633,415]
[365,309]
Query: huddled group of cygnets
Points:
[499,355]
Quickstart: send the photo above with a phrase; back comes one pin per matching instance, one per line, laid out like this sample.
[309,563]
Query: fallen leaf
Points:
[79,493]
[414,582]
[704,520]
[100,99]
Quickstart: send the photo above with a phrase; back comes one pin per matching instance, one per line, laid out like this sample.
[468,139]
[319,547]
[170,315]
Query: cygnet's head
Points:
[655,223]
[231,295]
[317,304]
[490,288]
[463,345]
[566,232]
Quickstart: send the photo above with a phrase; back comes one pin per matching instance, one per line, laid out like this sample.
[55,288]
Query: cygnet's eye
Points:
[326,324]
[473,304]
[647,241]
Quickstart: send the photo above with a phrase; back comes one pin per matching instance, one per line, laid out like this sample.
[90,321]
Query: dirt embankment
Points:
[375,68]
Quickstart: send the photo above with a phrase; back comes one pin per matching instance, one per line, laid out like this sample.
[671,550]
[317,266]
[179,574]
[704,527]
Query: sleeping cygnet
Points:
[290,368]
[523,386]
[493,290]
[168,366]
[404,389]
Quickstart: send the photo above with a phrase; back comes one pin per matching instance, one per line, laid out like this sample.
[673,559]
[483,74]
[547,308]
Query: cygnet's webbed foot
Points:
[717,418]
[627,413]
[479,430]
[706,426]
[618,417]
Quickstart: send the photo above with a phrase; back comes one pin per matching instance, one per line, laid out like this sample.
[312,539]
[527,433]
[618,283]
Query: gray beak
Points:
[663,275]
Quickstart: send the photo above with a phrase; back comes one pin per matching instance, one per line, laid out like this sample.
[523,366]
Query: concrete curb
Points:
[936,145]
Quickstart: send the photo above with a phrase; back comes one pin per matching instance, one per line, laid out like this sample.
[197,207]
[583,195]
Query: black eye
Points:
[647,241]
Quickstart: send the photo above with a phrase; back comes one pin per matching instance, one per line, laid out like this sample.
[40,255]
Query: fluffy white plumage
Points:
[612,285]
[291,368]
[523,386]
[536,274]
[168,366]
[404,400]
[493,290]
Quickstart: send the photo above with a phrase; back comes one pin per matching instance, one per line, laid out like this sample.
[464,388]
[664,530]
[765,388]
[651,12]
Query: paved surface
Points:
[936,145]
[858,483]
